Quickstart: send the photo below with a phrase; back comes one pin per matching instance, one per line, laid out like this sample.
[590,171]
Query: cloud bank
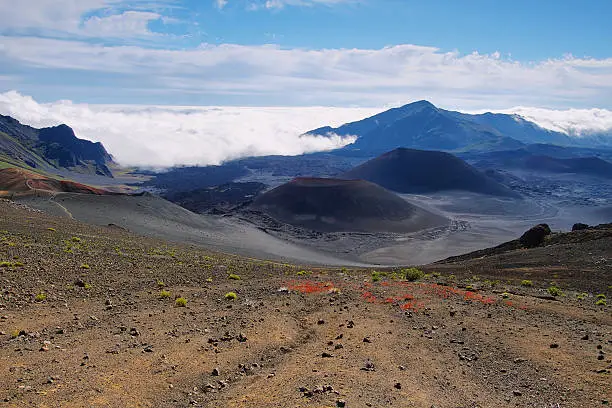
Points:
[164,136]
[572,122]
[151,136]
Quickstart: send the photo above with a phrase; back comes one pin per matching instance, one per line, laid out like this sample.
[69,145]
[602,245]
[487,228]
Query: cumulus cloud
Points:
[297,76]
[153,136]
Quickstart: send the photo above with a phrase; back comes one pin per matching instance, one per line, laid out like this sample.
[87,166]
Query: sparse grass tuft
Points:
[601,296]
[41,297]
[233,276]
[555,291]
[51,229]
[160,283]
[88,286]
[582,296]
[15,333]
[84,266]
[601,302]
[526,282]
[209,280]
[304,273]
[164,294]
[231,296]
[180,302]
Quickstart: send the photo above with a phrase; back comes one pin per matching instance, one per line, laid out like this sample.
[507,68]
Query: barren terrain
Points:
[88,318]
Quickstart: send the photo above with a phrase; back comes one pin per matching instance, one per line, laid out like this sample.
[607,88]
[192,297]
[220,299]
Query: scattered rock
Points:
[368,366]
[535,236]
[215,372]
[398,386]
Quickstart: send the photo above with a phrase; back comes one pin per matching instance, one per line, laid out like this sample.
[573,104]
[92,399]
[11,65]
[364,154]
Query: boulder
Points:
[579,227]
[535,236]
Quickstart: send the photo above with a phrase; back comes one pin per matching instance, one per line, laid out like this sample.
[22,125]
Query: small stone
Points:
[517,393]
[585,337]
[326,355]
[241,338]
[134,332]
[398,386]
[554,346]
[341,403]
[321,321]
[367,340]
[215,372]
[148,349]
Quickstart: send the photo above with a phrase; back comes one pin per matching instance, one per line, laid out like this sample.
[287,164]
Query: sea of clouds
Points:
[165,136]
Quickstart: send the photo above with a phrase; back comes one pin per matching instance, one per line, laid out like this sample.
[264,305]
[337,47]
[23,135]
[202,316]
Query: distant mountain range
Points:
[421,125]
[50,149]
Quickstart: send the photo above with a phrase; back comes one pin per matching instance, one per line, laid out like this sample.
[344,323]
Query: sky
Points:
[339,58]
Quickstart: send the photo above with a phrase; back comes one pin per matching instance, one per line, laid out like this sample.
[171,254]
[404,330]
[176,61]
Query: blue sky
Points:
[471,54]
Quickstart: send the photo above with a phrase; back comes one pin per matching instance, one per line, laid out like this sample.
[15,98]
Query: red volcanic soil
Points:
[16,180]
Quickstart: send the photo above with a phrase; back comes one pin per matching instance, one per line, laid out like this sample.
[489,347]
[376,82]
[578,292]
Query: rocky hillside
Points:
[49,149]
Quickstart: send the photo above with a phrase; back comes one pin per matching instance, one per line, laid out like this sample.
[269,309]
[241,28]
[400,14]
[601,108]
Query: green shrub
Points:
[505,295]
[526,282]
[164,294]
[180,302]
[377,276]
[88,286]
[231,296]
[412,274]
[601,296]
[304,273]
[41,297]
[555,291]
[209,280]
[233,276]
[5,264]
[582,296]
[51,229]
[160,283]
[601,302]
[84,266]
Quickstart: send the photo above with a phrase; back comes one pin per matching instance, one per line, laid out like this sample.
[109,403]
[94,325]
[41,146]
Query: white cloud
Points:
[221,3]
[116,19]
[165,136]
[572,122]
[276,4]
[129,23]
[372,77]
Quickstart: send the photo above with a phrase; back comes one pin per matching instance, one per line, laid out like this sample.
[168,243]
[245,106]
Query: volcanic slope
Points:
[14,181]
[421,171]
[334,205]
[89,319]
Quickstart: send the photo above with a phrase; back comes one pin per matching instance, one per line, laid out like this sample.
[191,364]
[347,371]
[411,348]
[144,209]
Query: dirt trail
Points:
[104,336]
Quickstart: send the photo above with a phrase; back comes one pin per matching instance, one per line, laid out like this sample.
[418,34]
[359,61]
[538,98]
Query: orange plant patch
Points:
[311,286]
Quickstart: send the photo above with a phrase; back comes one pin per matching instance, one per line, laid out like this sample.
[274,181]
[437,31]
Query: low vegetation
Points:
[555,291]
[180,302]
[231,296]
